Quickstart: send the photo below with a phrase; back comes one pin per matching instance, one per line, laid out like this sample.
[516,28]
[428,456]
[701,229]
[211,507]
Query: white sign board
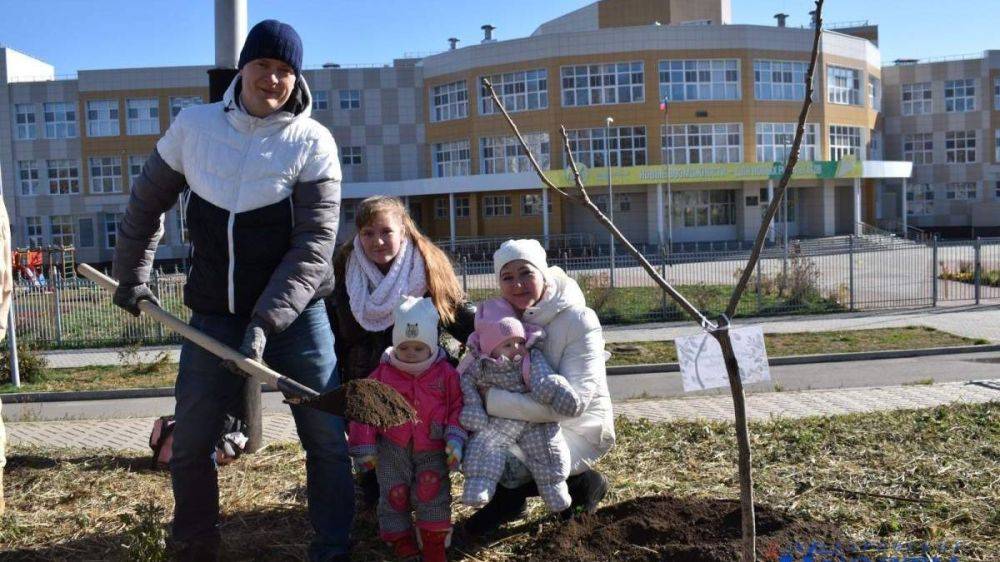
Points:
[702,364]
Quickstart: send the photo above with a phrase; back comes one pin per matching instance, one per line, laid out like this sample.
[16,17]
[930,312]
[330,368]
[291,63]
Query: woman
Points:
[387,259]
[574,346]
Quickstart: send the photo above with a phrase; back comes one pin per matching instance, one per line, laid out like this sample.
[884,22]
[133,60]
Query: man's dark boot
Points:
[198,550]
[507,505]
[586,489]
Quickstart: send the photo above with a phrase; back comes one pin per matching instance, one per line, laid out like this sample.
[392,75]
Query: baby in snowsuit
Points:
[503,353]
[412,460]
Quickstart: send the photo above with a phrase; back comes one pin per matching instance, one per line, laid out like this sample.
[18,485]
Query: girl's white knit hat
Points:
[416,320]
[528,250]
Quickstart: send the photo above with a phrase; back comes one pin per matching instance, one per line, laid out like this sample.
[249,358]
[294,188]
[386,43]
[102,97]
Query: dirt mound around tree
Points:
[661,528]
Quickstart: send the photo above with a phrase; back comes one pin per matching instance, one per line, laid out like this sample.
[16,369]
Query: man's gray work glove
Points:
[128,295]
[254,341]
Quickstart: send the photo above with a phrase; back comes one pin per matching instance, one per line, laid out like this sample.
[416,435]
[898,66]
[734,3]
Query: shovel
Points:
[365,401]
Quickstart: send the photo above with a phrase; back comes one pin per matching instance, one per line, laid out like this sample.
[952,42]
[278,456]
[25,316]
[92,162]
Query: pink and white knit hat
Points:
[495,323]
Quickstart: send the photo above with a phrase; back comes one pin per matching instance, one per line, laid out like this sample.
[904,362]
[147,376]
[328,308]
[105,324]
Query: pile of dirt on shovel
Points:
[660,528]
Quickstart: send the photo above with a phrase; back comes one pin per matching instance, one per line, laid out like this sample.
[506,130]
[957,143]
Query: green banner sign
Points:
[701,173]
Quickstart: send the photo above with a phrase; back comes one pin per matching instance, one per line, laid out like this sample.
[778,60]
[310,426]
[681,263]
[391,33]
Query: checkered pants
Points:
[411,481]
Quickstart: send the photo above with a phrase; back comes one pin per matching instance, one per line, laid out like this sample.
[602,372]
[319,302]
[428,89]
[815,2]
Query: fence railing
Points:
[849,273]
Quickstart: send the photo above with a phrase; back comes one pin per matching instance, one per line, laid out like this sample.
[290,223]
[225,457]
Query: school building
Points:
[426,130]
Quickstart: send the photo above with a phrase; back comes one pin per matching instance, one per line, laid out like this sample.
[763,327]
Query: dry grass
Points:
[924,475]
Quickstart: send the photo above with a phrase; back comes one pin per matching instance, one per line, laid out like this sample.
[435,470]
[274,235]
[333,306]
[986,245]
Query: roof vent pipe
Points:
[488,33]
[781,19]
[453,41]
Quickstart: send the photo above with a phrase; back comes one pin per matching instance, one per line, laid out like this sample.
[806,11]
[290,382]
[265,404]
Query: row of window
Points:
[626,146]
[348,99]
[62,176]
[80,232]
[142,117]
[959,147]
[959,96]
[623,82]
[920,197]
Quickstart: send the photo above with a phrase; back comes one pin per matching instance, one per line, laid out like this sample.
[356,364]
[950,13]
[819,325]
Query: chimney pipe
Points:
[453,41]
[781,19]
[488,31]
[230,33]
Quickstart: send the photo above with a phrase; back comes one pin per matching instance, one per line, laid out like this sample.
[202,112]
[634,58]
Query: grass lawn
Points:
[805,343]
[100,378]
[923,475]
[987,277]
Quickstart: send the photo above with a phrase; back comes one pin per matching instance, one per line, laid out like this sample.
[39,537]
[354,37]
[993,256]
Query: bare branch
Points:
[793,158]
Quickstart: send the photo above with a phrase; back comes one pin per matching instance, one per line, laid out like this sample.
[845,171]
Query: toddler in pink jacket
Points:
[412,460]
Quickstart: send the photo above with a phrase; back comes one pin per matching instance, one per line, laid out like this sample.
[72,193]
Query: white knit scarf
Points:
[374,295]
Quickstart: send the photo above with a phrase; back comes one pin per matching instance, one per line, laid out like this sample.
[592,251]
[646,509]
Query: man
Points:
[259,184]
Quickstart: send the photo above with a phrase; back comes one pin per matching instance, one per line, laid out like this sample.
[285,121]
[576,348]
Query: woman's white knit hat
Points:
[416,320]
[528,250]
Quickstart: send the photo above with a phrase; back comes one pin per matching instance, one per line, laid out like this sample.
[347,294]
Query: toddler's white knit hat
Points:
[416,320]
[528,250]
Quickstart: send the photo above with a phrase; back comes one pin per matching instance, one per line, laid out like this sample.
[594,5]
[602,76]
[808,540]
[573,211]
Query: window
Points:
[701,79]
[33,231]
[350,209]
[919,148]
[996,145]
[779,80]
[624,201]
[449,101]
[143,117]
[106,174]
[351,155]
[531,204]
[452,159]
[24,121]
[715,207]
[702,144]
[960,147]
[180,102]
[64,176]
[843,85]
[774,141]
[919,199]
[496,206]
[461,207]
[61,230]
[182,230]
[320,100]
[102,118]
[962,191]
[519,91]
[874,93]
[627,146]
[844,141]
[60,120]
[86,233]
[111,222]
[27,177]
[917,98]
[602,84]
[960,95]
[350,99]
[996,93]
[135,164]
[503,155]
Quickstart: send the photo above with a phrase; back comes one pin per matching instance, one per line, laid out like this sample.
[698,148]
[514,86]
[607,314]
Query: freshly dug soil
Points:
[376,403]
[662,528]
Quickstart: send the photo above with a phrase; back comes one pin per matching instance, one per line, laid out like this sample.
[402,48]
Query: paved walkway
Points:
[972,322]
[132,433]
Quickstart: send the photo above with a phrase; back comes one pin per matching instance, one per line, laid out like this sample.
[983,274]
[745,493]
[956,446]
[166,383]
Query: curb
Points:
[33,397]
[819,358]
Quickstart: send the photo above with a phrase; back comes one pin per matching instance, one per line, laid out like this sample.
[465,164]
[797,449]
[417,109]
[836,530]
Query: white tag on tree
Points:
[702,364]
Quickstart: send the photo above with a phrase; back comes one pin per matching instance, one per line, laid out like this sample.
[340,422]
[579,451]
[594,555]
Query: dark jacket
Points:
[359,351]
[261,200]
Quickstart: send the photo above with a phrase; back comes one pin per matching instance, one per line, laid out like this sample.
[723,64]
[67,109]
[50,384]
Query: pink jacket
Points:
[435,395]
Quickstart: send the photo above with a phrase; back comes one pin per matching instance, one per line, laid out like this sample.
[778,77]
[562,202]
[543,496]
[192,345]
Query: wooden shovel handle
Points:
[203,340]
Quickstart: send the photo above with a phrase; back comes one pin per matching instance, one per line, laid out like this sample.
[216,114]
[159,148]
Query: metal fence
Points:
[808,277]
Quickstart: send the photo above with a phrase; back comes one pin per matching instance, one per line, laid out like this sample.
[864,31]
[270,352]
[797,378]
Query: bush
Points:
[31,365]
[145,537]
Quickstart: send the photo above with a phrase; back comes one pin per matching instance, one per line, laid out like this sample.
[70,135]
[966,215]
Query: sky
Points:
[77,35]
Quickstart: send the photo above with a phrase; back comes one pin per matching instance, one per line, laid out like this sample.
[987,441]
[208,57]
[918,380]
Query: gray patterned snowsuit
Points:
[543,443]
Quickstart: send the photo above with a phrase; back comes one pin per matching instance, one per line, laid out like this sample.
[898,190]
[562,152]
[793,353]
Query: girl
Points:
[413,459]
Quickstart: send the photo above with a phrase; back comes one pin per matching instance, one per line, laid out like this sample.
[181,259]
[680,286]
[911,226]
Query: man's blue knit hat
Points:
[271,39]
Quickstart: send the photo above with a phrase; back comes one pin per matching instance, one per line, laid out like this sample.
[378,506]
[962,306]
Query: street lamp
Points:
[611,202]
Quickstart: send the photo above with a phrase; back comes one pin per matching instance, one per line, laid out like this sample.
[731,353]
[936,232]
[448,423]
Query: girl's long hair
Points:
[442,284]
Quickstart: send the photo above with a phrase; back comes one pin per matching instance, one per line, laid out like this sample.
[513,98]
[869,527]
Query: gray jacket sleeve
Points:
[154,191]
[308,263]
